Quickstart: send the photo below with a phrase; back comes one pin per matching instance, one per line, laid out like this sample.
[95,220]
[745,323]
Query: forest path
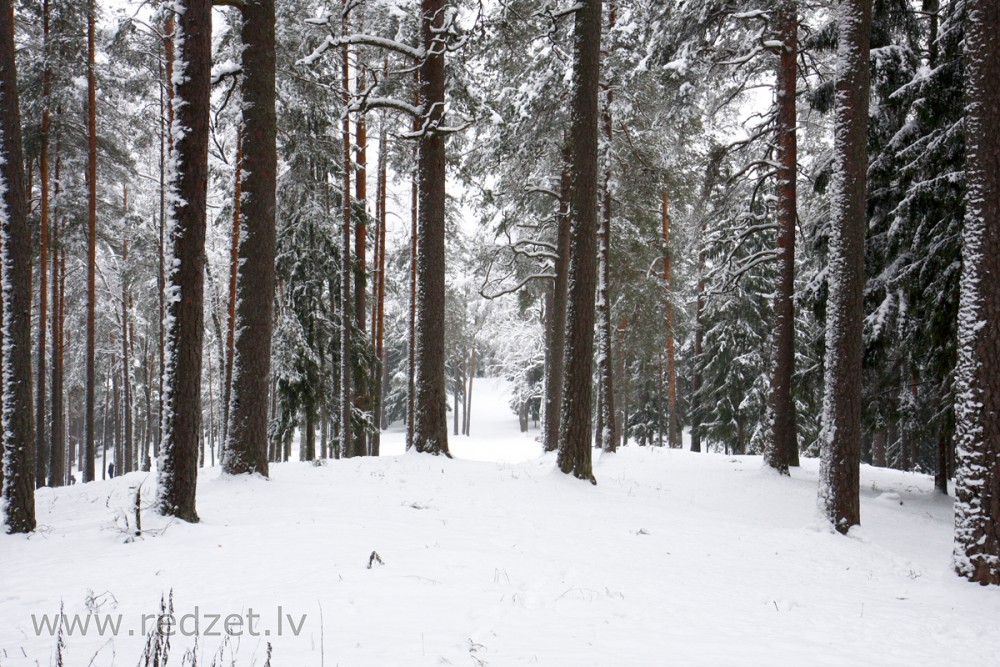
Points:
[673,558]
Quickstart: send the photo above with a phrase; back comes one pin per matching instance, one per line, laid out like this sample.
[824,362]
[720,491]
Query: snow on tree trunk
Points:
[348,446]
[782,448]
[246,445]
[673,433]
[556,336]
[15,273]
[575,419]
[977,478]
[840,436]
[380,375]
[430,418]
[234,273]
[362,399]
[607,436]
[185,231]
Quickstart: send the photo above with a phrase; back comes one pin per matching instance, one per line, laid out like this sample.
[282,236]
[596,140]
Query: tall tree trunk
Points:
[166,146]
[622,351]
[673,433]
[977,478]
[41,446]
[57,445]
[840,436]
[361,397]
[15,238]
[104,428]
[467,410]
[126,363]
[178,473]
[234,264]
[308,445]
[348,446]
[782,449]
[411,370]
[379,311]
[456,395]
[246,446]
[430,423]
[607,436]
[88,451]
[557,316]
[211,410]
[116,416]
[147,430]
[575,421]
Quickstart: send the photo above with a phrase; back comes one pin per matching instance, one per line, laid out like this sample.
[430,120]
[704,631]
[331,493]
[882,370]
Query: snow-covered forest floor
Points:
[496,558]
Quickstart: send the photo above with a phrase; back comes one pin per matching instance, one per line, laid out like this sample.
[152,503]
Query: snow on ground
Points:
[495,558]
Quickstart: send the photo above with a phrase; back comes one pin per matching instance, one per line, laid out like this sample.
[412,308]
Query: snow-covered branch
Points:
[362,40]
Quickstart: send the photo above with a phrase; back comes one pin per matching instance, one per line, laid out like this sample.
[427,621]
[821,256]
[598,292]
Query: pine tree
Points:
[841,435]
[178,466]
[90,382]
[575,421]
[41,448]
[15,239]
[782,448]
[246,449]
[977,509]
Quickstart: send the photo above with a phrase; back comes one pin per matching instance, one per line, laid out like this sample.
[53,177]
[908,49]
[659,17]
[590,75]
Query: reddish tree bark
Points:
[782,448]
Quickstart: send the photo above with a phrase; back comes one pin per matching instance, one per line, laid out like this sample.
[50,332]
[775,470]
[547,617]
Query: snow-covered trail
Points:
[673,558]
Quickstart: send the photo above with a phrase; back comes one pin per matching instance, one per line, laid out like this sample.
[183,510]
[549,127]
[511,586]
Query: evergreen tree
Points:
[977,516]
[246,450]
[15,239]
[841,435]
[575,422]
[178,465]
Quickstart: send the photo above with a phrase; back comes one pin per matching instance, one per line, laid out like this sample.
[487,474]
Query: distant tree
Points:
[977,510]
[841,435]
[186,210]
[606,433]
[41,447]
[15,239]
[90,381]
